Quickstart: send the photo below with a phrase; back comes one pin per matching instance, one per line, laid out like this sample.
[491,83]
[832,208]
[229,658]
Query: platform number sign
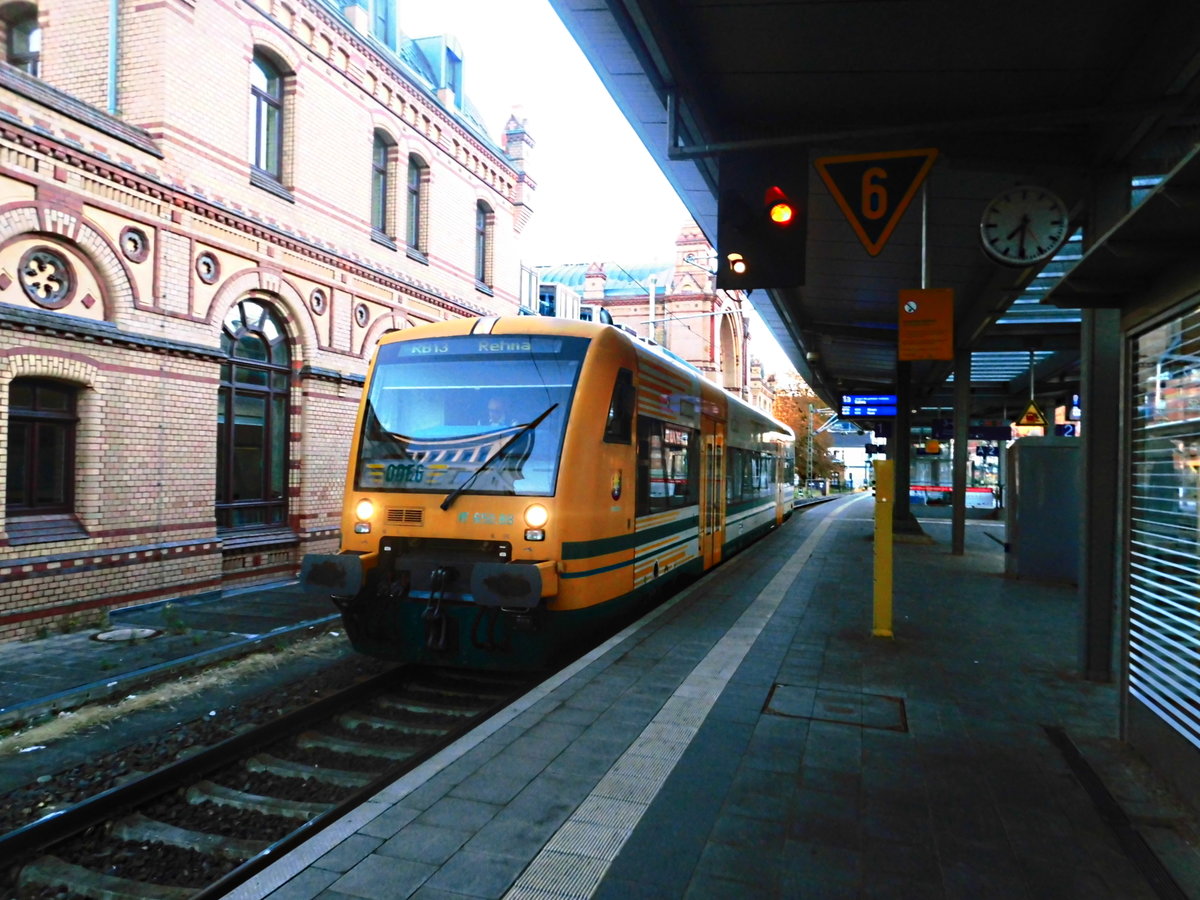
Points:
[874,189]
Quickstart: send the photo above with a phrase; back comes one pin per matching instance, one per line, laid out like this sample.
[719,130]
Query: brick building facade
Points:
[209,214]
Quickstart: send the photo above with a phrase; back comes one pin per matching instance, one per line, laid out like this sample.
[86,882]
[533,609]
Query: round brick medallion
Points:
[134,244]
[208,268]
[46,278]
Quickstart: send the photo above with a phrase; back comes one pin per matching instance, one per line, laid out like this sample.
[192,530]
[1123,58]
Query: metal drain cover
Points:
[846,707]
[118,635]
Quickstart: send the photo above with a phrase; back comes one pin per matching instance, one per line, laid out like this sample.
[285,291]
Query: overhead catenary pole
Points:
[808,480]
[650,322]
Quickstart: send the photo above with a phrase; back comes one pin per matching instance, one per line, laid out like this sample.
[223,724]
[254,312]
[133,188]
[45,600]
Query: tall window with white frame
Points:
[23,43]
[383,166]
[41,447]
[252,419]
[417,171]
[483,246]
[266,110]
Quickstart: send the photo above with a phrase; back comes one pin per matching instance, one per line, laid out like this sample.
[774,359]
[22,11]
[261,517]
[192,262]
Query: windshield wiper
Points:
[453,495]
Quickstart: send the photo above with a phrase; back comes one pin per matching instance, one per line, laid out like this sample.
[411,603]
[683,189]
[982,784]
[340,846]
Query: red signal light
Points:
[779,207]
[762,221]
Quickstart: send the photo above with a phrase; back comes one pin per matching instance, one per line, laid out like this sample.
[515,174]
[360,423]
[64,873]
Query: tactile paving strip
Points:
[554,874]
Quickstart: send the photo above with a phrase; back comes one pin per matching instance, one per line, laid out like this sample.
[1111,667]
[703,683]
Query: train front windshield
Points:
[477,414]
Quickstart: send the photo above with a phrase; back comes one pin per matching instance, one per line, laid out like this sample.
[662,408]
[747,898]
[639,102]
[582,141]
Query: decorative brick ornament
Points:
[134,244]
[46,278]
[208,268]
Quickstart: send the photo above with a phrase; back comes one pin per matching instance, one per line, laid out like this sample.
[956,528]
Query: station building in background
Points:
[676,304]
[209,215]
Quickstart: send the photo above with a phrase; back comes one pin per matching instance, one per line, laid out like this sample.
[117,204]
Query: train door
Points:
[712,494]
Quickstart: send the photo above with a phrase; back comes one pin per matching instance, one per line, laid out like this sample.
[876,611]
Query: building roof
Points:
[412,63]
[622,280]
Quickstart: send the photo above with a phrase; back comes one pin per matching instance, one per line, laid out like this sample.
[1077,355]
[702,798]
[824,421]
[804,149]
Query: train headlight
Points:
[536,516]
[363,510]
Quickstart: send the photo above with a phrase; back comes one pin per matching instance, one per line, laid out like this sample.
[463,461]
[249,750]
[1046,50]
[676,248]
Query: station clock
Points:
[1024,225]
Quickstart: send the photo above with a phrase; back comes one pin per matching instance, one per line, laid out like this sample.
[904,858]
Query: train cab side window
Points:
[618,429]
[668,475]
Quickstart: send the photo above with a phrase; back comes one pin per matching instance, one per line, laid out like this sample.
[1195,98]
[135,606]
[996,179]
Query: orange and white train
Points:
[519,485]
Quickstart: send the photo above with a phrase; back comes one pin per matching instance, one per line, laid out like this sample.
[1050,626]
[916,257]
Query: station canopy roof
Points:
[1094,99]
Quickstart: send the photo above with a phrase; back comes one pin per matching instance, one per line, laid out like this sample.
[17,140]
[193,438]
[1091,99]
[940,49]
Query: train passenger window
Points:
[733,475]
[749,467]
[618,429]
[764,473]
[668,466]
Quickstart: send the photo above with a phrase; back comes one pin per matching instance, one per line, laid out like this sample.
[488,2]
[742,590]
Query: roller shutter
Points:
[1164,536]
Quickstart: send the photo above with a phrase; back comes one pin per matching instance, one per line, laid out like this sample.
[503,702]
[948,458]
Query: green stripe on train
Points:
[687,539]
[603,546]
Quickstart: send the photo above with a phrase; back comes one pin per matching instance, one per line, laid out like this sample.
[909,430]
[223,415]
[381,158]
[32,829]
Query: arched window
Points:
[24,42]
[483,246]
[266,92]
[41,447]
[252,419]
[382,170]
[414,224]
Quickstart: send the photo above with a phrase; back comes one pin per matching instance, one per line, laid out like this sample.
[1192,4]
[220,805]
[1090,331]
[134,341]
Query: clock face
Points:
[1024,225]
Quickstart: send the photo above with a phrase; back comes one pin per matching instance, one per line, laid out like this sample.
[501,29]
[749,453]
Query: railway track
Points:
[204,824]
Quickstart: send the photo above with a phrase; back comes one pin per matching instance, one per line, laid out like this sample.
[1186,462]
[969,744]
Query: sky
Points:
[591,169]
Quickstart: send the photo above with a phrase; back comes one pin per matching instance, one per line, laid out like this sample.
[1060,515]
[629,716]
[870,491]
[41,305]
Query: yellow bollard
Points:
[885,498]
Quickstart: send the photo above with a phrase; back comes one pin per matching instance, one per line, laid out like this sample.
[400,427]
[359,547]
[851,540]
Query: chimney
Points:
[517,142]
[593,282]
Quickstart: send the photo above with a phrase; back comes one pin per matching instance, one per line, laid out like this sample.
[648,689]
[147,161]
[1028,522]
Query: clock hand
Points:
[1037,242]
[1021,226]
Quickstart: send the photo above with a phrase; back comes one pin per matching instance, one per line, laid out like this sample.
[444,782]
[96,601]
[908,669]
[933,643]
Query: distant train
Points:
[518,485]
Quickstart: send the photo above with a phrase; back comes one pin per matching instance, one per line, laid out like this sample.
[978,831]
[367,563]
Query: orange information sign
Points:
[1033,416]
[926,324]
[874,189]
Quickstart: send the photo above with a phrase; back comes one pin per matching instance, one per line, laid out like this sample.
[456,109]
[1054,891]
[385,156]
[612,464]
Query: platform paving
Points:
[752,739]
